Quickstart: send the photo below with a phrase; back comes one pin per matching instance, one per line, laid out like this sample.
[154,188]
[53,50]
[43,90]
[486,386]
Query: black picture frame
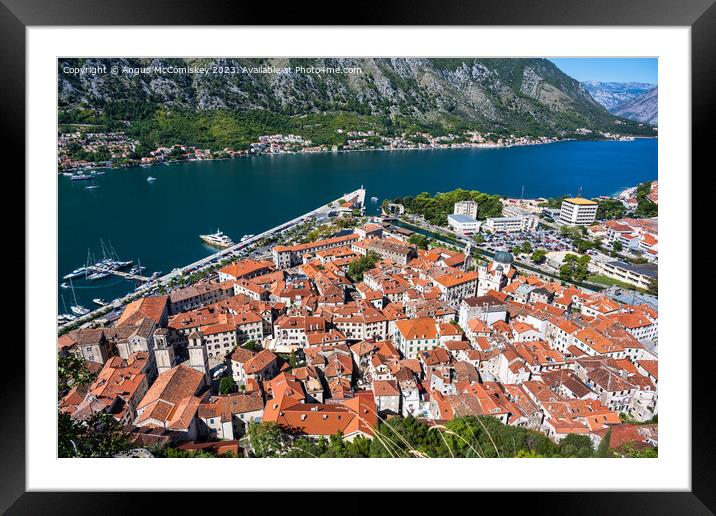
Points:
[700,15]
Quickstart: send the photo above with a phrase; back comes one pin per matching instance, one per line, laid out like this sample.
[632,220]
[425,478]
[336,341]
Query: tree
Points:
[420,241]
[653,287]
[603,448]
[252,345]
[574,268]
[617,246]
[583,245]
[72,371]
[575,445]
[100,436]
[227,385]
[539,256]
[267,439]
[645,208]
[608,209]
[362,264]
[293,359]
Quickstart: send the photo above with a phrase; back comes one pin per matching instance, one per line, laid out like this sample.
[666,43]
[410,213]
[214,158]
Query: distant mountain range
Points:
[613,94]
[505,96]
[633,100]
[644,108]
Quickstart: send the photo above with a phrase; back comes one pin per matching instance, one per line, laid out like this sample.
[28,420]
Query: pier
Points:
[121,274]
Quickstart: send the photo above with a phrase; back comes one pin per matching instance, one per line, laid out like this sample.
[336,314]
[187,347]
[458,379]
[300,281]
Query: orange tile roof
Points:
[420,328]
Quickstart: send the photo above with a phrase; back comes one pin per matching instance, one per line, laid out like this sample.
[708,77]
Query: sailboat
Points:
[93,185]
[65,317]
[77,308]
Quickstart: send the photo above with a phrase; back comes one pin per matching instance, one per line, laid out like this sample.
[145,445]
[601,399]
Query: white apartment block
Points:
[468,208]
[511,224]
[578,211]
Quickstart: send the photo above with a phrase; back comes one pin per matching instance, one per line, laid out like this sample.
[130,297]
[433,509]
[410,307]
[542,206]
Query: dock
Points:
[121,274]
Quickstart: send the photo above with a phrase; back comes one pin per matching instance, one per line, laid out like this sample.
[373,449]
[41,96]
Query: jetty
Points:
[121,274]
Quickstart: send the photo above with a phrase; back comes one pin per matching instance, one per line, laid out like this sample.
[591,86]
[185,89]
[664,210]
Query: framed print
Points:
[359,250]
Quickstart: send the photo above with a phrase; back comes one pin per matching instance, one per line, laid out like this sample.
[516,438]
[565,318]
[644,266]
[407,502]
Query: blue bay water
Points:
[159,222]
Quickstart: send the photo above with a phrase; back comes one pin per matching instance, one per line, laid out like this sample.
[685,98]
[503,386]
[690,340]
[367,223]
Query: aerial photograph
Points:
[378,257]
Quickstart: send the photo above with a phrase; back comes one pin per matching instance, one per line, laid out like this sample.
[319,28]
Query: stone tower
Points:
[163,351]
[468,256]
[198,358]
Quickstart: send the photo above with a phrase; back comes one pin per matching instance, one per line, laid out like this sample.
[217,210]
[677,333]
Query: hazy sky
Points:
[609,69]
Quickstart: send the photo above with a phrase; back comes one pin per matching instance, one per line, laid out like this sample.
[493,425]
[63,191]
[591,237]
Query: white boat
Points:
[100,301]
[91,187]
[246,237]
[217,239]
[97,276]
[150,179]
[77,273]
[80,177]
[79,310]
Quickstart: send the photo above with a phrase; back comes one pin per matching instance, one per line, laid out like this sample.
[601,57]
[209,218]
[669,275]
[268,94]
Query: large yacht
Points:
[217,239]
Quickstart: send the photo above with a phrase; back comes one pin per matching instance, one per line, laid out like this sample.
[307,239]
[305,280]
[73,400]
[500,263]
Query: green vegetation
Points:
[609,209]
[267,439]
[578,236]
[100,436]
[252,345]
[227,385]
[482,437]
[628,450]
[525,247]
[362,264]
[605,280]
[645,207]
[436,209]
[72,372]
[420,241]
[169,452]
[539,256]
[574,268]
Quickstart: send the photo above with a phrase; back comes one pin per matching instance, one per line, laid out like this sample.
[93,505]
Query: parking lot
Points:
[547,239]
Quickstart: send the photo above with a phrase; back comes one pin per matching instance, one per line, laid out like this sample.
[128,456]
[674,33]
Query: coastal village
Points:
[81,150]
[336,336]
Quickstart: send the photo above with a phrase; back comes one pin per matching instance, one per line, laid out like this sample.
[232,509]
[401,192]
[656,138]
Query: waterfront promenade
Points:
[213,259]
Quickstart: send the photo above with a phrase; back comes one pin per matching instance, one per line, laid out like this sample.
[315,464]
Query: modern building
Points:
[511,224]
[468,208]
[464,224]
[578,211]
[639,275]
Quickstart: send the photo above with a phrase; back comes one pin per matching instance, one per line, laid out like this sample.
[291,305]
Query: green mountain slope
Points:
[503,96]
